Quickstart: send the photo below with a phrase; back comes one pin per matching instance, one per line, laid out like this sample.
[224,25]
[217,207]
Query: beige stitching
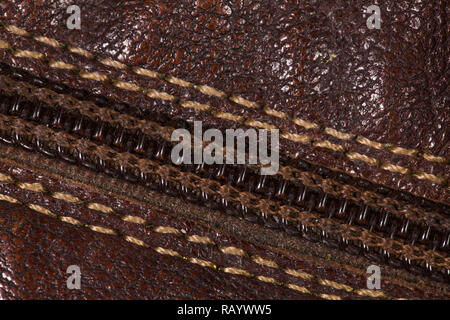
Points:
[112,63]
[335,285]
[61,65]
[205,107]
[299,288]
[265,262]
[50,42]
[5,178]
[202,263]
[102,230]
[93,76]
[299,274]
[4,45]
[207,240]
[134,219]
[28,54]
[370,293]
[168,252]
[159,95]
[237,271]
[167,230]
[136,241]
[9,199]
[200,239]
[233,251]
[42,210]
[37,187]
[100,207]
[239,100]
[71,221]
[81,52]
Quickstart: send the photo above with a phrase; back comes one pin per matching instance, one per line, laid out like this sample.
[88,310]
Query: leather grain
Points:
[279,56]
[264,63]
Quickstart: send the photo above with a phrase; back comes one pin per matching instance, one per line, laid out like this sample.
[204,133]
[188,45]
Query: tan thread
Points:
[81,52]
[28,54]
[272,207]
[61,65]
[299,274]
[237,99]
[127,86]
[370,293]
[237,271]
[91,111]
[66,197]
[42,210]
[4,45]
[16,30]
[202,263]
[100,207]
[37,187]
[136,241]
[48,41]
[200,239]
[265,262]
[5,178]
[233,251]
[298,288]
[113,63]
[267,279]
[167,230]
[102,230]
[93,76]
[205,107]
[9,199]
[71,221]
[134,219]
[335,285]
[227,250]
[168,252]
[210,91]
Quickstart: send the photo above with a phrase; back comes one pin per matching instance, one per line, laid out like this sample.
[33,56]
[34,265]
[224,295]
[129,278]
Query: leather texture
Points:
[363,116]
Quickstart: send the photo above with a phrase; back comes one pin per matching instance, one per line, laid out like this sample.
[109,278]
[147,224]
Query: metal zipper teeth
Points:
[240,177]
[54,118]
[175,122]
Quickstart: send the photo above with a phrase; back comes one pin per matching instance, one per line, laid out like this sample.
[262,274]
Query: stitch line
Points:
[170,230]
[91,111]
[253,123]
[207,90]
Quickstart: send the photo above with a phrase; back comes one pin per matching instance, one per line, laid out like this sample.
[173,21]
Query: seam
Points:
[92,111]
[269,207]
[207,90]
[301,138]
[200,240]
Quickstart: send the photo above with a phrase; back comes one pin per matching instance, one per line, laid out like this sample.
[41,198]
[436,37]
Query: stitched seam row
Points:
[214,189]
[37,187]
[210,91]
[304,139]
[92,111]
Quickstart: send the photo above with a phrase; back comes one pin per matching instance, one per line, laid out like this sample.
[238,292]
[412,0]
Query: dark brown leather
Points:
[313,60]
